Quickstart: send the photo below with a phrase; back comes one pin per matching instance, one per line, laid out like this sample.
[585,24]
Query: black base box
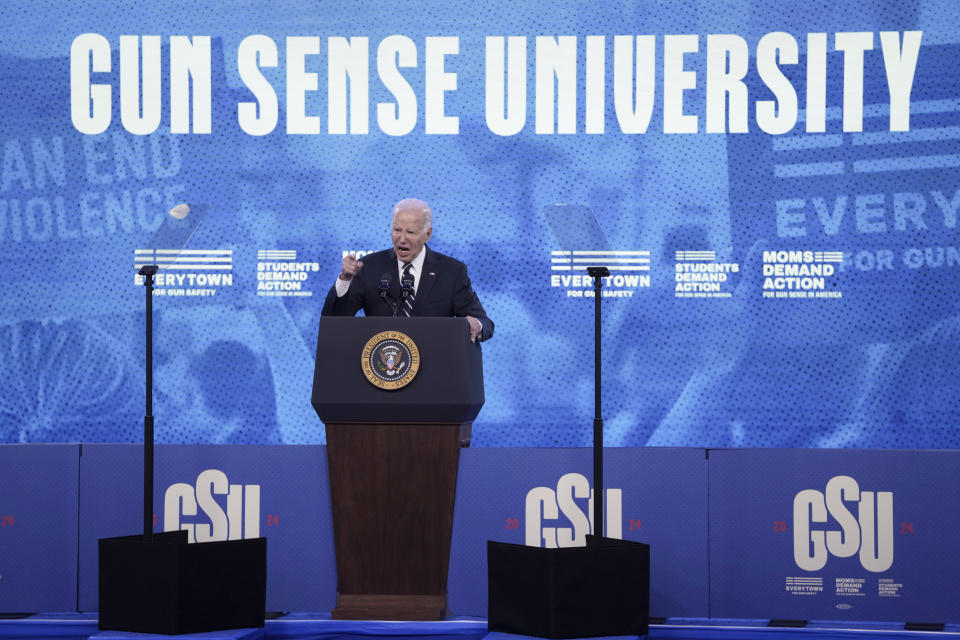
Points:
[602,589]
[171,587]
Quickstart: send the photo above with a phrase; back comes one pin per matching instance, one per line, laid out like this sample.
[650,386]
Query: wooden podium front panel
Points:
[392,494]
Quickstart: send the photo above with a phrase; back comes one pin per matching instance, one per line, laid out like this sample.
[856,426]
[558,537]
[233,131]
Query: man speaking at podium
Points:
[440,286]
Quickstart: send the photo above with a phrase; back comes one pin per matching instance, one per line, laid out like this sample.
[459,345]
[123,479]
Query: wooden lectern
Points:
[392,455]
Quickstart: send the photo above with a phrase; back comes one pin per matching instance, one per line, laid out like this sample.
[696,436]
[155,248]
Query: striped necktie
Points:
[408,301]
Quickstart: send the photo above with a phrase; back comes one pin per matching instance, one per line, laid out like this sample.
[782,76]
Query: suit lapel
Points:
[427,280]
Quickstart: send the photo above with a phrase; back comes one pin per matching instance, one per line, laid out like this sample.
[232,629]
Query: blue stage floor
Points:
[319,626]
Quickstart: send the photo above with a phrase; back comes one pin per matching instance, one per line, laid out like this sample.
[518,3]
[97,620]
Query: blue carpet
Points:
[229,634]
[319,626]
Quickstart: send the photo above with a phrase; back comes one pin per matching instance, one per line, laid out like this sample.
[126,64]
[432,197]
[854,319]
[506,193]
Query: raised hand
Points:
[351,267]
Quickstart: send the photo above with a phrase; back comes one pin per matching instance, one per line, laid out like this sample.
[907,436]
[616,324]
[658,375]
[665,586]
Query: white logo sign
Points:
[870,531]
[698,275]
[543,503]
[280,274]
[800,274]
[629,270]
[187,272]
[240,520]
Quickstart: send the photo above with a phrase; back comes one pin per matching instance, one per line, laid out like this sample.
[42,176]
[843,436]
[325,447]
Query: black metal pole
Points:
[598,528]
[148,272]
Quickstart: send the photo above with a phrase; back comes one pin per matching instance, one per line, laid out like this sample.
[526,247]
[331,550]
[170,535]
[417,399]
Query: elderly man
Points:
[440,283]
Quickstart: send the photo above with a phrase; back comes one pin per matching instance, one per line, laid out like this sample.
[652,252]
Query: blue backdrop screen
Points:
[775,190]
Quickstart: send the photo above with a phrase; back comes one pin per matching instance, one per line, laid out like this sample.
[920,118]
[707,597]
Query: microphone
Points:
[406,286]
[384,286]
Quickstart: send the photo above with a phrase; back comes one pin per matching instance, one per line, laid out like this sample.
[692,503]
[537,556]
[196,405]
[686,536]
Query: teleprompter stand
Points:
[601,589]
[158,583]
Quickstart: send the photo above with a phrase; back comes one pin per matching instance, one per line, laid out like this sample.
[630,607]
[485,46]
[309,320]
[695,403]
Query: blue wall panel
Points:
[38,527]
[542,497]
[837,535]
[281,492]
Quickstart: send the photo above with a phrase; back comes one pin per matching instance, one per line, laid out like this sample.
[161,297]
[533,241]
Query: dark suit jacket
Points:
[444,290]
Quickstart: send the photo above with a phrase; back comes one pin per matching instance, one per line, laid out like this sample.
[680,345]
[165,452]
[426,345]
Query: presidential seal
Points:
[390,360]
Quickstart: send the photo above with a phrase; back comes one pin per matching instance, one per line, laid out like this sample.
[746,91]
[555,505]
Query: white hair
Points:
[412,204]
